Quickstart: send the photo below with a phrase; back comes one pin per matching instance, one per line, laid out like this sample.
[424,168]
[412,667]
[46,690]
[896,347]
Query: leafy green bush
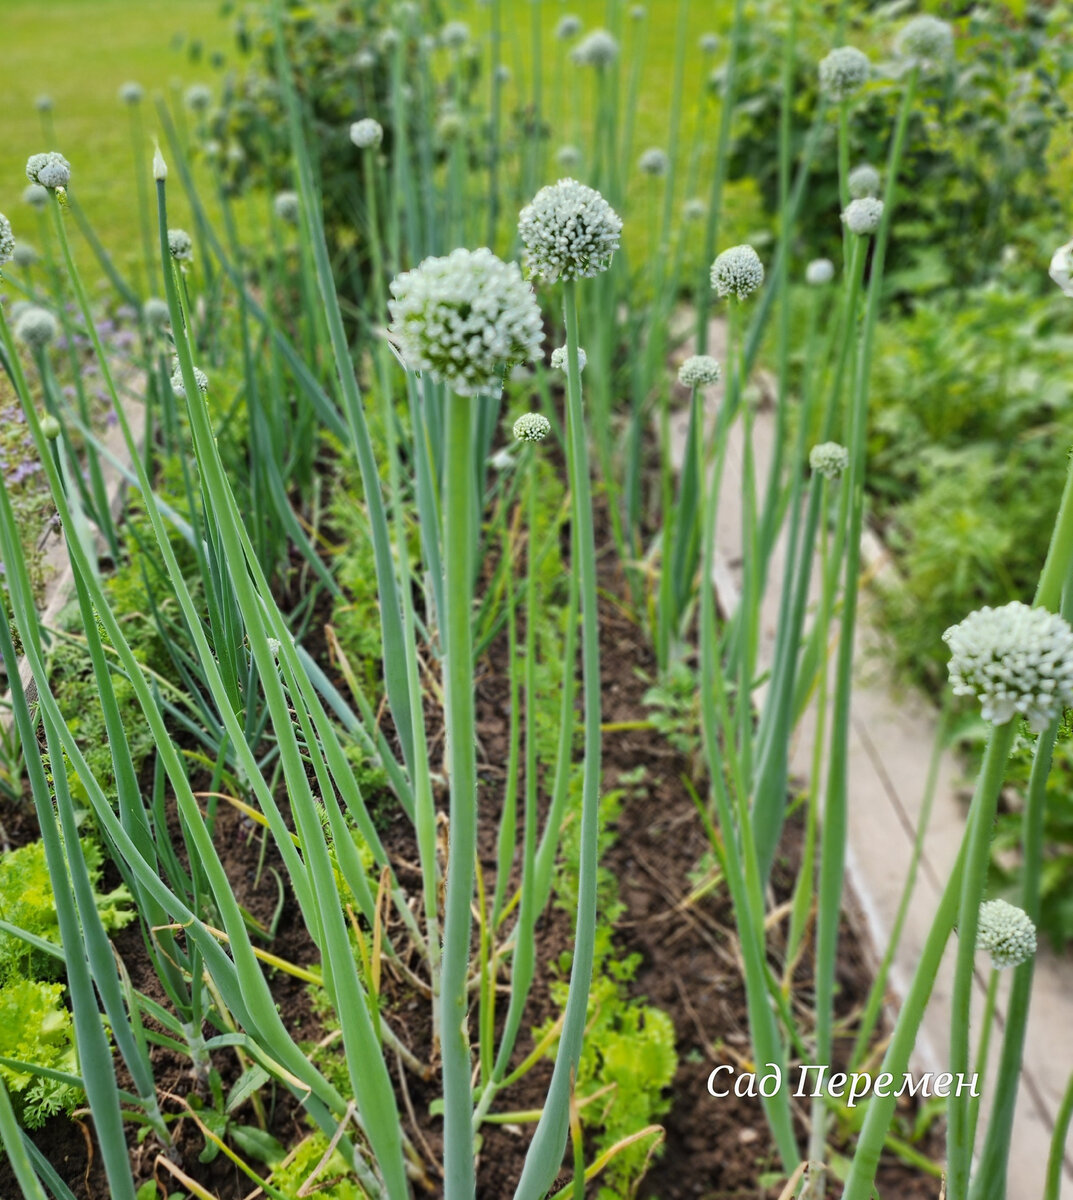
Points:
[27,900]
[340,54]
[36,1028]
[971,178]
[334,1182]
[973,414]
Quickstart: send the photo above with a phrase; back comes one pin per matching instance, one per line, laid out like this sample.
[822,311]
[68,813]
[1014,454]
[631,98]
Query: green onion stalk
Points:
[459,517]
[546,1149]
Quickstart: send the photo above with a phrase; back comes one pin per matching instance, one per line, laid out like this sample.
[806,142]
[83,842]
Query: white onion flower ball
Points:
[569,231]
[560,359]
[862,217]
[455,34]
[155,312]
[568,27]
[366,133]
[25,255]
[44,103]
[863,181]
[737,272]
[844,71]
[131,93]
[450,126]
[1013,659]
[709,42]
[819,272]
[699,370]
[1061,268]
[1007,933]
[653,162]
[180,245]
[463,318]
[531,427]
[568,156]
[694,209]
[285,206]
[597,49]
[828,459]
[177,385]
[51,170]
[7,241]
[198,97]
[925,39]
[35,195]
[35,327]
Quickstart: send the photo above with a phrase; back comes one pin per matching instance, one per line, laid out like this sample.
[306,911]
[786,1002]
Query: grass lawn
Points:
[148,41]
[80,52]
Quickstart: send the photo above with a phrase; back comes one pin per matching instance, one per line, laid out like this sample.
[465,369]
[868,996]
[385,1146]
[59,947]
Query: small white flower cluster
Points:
[25,255]
[819,272]
[699,370]
[569,231]
[1007,933]
[694,209]
[653,162]
[44,103]
[925,39]
[177,385]
[35,195]
[1061,268]
[531,427]
[1013,659]
[7,241]
[862,217]
[598,49]
[131,93]
[568,157]
[863,181]
[737,272]
[155,313]
[285,206]
[450,125]
[50,170]
[560,359]
[709,42]
[198,97]
[455,34]
[462,317]
[844,71]
[828,459]
[36,327]
[180,245]
[366,133]
[568,27]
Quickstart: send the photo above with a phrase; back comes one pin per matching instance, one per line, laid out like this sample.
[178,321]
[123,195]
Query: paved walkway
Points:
[892,734]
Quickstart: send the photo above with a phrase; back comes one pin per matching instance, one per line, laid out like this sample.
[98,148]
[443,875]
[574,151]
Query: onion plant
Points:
[407,386]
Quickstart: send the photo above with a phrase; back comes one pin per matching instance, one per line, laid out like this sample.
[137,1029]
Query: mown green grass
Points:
[80,52]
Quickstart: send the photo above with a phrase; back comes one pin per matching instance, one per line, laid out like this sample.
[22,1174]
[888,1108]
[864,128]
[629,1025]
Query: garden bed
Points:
[676,917]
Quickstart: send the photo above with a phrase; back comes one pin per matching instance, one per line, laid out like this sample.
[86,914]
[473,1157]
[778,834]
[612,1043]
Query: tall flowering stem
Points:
[459,1169]
[546,1150]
